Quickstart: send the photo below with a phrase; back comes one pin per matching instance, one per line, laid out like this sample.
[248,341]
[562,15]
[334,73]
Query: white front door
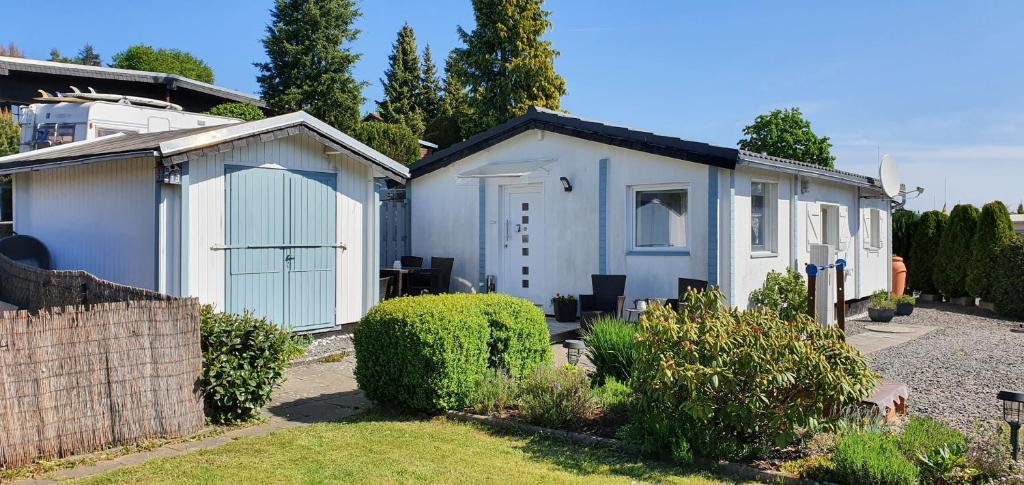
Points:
[523,244]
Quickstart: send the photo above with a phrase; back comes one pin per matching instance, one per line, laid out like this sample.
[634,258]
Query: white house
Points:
[547,199]
[277,216]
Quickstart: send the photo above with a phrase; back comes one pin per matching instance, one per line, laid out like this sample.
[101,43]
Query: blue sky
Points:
[935,84]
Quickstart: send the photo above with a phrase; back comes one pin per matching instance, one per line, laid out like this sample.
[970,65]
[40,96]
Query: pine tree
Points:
[508,66]
[402,84]
[452,123]
[310,62]
[994,231]
[1020,208]
[953,258]
[87,56]
[430,87]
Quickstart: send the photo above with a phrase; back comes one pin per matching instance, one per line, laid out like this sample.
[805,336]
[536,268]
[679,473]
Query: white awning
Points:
[506,169]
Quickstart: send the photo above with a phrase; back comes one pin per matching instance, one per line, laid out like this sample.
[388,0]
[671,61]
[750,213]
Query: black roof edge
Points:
[569,125]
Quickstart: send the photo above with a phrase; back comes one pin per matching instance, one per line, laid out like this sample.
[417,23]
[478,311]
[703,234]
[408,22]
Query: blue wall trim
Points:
[483,236]
[732,238]
[713,200]
[602,214]
[184,230]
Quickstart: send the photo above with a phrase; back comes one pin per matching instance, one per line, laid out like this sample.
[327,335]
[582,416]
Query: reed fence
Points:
[88,364]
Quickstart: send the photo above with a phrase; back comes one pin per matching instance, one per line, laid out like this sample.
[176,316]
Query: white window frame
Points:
[825,209]
[631,211]
[771,219]
[874,229]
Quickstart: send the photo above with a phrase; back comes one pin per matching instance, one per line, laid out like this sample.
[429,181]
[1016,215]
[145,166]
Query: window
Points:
[52,134]
[659,218]
[830,225]
[764,207]
[101,131]
[6,206]
[874,229]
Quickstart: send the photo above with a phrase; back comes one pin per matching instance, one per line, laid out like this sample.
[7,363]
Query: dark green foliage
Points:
[785,294]
[726,383]
[402,84]
[954,256]
[451,125]
[142,57]
[10,133]
[505,62]
[310,63]
[871,457]
[395,141]
[903,224]
[785,133]
[430,353]
[1008,279]
[611,347]
[557,397]
[87,56]
[242,111]
[244,359]
[994,231]
[1020,208]
[923,250]
[430,87]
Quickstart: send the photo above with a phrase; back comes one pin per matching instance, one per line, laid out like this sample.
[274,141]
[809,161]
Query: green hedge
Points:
[925,244]
[1008,279]
[396,141]
[994,231]
[242,111]
[429,353]
[903,224]
[954,256]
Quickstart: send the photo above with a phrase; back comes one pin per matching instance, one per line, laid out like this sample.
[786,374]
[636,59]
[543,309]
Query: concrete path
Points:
[872,341]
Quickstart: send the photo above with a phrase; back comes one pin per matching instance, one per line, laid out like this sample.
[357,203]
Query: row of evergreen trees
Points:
[968,253]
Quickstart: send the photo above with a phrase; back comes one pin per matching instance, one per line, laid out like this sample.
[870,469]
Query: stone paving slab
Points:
[870,341]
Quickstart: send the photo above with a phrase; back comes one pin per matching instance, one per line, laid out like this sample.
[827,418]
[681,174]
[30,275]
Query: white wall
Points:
[751,267]
[355,210]
[100,218]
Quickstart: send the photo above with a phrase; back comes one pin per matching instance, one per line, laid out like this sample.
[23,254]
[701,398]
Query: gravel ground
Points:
[326,346]
[954,372]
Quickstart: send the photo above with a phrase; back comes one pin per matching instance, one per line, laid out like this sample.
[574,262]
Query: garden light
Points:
[573,350]
[1013,408]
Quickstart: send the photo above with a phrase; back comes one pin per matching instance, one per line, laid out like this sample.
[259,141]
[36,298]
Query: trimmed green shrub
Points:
[954,256]
[611,347]
[871,457]
[142,57]
[924,247]
[732,384]
[396,141]
[557,397]
[903,224]
[244,359]
[1008,279]
[430,353]
[786,294]
[994,231]
[242,111]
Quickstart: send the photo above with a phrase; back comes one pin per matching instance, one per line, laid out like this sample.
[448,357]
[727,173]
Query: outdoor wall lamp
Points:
[566,185]
[1013,408]
[573,350]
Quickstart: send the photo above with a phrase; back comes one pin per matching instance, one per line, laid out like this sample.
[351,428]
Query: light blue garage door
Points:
[281,246]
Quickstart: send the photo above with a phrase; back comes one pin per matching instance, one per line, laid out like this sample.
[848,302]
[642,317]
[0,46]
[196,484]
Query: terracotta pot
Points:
[899,276]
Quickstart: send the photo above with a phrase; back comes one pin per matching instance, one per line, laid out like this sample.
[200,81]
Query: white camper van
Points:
[49,124]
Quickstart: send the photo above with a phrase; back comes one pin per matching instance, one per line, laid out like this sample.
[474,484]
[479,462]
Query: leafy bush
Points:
[396,141]
[611,347]
[871,457]
[880,300]
[556,397]
[954,257]
[785,294]
[495,392]
[924,247]
[430,353]
[731,384]
[10,133]
[613,396]
[903,224]
[244,359]
[1008,279]
[171,61]
[242,111]
[927,436]
[994,231]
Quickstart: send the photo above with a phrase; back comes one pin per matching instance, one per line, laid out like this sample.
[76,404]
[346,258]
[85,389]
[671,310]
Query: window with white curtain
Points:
[764,208]
[659,218]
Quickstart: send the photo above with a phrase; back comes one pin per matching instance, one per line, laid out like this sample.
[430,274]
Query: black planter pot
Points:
[904,309]
[565,311]
[881,314]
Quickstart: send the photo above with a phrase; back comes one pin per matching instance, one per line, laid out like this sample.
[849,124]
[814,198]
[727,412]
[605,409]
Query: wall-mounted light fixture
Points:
[566,185]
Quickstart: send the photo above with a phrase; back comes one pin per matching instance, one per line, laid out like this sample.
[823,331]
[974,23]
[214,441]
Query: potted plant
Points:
[904,305]
[565,307]
[880,307]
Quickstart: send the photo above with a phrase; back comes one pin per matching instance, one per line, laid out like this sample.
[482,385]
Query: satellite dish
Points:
[889,175]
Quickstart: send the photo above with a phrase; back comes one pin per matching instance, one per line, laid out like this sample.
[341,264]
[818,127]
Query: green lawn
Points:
[378,449]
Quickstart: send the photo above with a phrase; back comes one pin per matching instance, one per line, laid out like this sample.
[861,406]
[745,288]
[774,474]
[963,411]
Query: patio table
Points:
[399,275]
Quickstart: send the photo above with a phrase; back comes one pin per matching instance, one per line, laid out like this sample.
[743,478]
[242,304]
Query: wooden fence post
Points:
[841,294]
[812,273]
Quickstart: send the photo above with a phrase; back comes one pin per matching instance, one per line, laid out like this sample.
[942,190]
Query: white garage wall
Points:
[99,218]
[355,267]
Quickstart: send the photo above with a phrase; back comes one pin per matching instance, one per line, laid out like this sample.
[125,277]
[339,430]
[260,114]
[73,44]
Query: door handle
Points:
[519,228]
[288,261]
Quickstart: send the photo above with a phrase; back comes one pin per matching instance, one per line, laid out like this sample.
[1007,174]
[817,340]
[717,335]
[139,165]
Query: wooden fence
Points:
[90,364]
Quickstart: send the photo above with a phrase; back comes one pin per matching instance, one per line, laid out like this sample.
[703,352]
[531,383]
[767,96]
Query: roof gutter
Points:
[807,172]
[79,161]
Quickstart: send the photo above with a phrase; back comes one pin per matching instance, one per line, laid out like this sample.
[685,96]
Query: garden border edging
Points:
[736,469]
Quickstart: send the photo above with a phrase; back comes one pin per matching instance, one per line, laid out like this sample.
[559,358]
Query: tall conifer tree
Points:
[310,60]
[508,67]
[402,84]
[430,87]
